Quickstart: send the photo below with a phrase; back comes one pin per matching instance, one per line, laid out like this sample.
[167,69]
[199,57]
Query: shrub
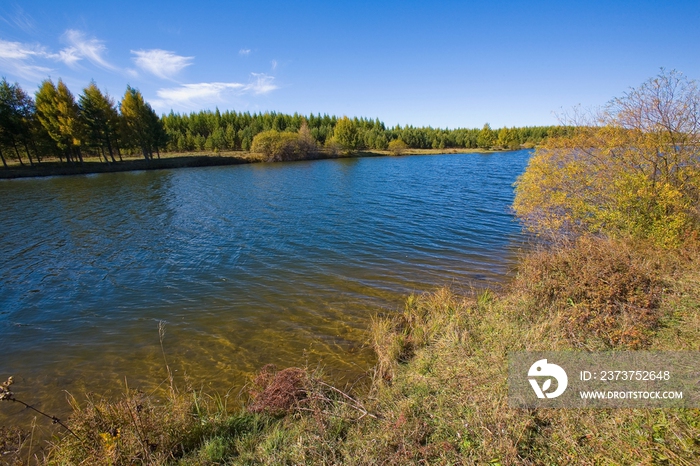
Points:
[284,146]
[397,147]
[632,170]
[597,292]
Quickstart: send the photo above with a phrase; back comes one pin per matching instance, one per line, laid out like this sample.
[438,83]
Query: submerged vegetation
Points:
[607,198]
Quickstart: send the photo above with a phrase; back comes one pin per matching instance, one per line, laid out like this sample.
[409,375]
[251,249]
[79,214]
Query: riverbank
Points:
[171,160]
[438,393]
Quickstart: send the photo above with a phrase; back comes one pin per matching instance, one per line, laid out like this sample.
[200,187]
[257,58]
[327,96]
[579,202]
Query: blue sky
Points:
[440,64]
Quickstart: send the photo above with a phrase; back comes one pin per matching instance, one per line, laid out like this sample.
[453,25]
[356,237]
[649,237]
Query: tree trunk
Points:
[109,147]
[29,154]
[36,151]
[80,155]
[102,149]
[19,157]
[2,156]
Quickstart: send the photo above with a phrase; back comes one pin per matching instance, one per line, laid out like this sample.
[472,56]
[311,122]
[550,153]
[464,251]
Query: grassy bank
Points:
[52,167]
[438,394]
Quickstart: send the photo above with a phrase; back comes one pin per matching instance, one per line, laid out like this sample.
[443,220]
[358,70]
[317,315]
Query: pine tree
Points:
[141,126]
[59,114]
[101,119]
[16,115]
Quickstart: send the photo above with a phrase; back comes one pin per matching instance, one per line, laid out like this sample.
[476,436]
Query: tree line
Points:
[54,124]
[231,130]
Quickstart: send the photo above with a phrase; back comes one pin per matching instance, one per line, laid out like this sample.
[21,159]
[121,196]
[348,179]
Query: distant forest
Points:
[54,124]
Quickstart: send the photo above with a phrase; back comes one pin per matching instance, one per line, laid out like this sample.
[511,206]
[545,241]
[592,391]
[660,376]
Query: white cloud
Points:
[81,47]
[274,64]
[244,52]
[69,56]
[199,95]
[18,51]
[261,84]
[200,91]
[18,59]
[161,63]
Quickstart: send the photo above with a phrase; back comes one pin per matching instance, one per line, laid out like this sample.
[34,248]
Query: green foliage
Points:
[634,170]
[16,119]
[101,119]
[486,138]
[141,126]
[397,146]
[59,114]
[347,134]
[58,126]
[278,146]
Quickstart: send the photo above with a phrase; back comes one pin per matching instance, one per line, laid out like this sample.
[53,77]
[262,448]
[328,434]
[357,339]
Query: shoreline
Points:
[191,160]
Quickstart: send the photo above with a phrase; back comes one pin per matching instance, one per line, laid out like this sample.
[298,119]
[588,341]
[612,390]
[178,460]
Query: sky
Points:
[444,64]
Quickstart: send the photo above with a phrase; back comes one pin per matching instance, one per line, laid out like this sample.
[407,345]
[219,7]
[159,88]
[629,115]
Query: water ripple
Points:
[248,265]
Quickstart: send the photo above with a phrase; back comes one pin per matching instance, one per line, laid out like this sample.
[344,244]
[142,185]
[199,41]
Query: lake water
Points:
[247,265]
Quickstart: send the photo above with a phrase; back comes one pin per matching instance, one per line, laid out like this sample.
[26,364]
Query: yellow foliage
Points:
[619,175]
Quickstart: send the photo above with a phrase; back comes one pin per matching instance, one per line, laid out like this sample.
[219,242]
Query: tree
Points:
[632,169]
[101,119]
[486,138]
[347,134]
[59,114]
[16,119]
[141,126]
[508,138]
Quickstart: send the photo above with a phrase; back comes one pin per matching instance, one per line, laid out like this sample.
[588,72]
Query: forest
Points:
[55,125]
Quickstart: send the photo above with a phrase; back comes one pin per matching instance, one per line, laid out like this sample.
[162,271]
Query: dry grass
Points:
[136,429]
[600,293]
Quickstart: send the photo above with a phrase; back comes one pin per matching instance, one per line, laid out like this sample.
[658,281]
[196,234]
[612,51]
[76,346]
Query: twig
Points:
[54,419]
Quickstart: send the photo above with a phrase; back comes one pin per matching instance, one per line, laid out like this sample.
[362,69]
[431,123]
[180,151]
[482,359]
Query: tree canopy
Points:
[632,169]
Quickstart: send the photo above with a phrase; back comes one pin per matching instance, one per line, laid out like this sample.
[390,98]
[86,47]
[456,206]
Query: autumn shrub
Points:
[397,146]
[632,170]
[601,293]
[277,393]
[284,146]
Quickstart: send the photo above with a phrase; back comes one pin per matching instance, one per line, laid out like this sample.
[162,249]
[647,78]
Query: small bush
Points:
[397,147]
[599,291]
[276,393]
[284,146]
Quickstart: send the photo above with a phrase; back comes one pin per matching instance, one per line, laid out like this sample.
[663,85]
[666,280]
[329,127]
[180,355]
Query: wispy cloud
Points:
[81,47]
[19,19]
[199,95]
[19,59]
[161,63]
[244,52]
[201,91]
[261,84]
[273,63]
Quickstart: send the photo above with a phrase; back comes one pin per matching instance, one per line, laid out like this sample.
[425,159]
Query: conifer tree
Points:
[101,119]
[16,115]
[59,114]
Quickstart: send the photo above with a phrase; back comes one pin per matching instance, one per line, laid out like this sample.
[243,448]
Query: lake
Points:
[247,265]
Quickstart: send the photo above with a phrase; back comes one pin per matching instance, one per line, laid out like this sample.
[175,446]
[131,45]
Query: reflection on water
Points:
[247,265]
